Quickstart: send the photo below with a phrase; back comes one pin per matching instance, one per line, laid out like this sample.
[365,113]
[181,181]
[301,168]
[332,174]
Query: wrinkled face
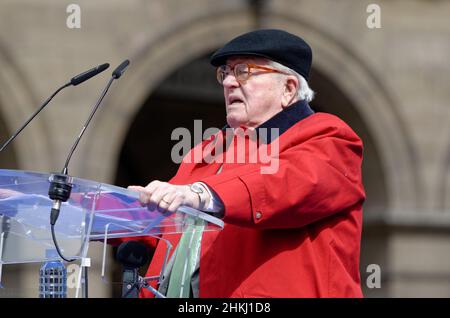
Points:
[256,100]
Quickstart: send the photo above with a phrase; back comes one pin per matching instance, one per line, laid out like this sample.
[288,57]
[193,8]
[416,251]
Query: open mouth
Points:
[234,100]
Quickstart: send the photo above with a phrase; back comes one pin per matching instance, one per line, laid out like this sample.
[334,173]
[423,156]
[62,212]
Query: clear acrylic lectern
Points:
[94,211]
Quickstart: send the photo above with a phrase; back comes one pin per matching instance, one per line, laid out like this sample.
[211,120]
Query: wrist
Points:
[201,193]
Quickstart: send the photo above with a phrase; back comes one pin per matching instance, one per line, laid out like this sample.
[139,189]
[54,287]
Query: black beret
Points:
[276,45]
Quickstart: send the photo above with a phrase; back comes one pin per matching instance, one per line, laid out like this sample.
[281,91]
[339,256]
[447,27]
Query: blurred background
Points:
[384,69]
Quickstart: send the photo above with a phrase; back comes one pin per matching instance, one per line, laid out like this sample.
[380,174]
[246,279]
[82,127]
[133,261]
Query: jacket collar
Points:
[284,120]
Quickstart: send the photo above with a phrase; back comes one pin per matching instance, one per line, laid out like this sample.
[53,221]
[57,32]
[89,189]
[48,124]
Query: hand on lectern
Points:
[166,197]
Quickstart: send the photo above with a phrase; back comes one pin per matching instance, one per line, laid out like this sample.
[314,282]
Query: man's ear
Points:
[291,86]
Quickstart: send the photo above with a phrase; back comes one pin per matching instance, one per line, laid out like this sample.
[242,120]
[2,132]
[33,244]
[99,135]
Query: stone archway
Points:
[370,100]
[138,165]
[157,59]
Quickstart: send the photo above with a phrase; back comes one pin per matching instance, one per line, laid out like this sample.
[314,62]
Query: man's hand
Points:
[166,197]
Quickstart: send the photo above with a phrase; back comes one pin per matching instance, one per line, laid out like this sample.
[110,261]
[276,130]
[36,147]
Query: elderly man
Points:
[293,232]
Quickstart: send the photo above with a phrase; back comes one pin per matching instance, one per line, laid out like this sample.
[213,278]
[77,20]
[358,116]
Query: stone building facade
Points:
[389,83]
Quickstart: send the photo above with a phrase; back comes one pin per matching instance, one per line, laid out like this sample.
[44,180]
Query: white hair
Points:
[304,92]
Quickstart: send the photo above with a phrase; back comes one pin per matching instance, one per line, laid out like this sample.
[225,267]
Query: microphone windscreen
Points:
[132,254]
[102,67]
[120,69]
[80,78]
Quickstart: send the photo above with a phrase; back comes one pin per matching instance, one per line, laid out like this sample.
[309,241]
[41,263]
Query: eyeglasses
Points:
[242,72]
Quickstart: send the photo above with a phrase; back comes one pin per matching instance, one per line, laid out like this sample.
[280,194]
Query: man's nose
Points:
[230,80]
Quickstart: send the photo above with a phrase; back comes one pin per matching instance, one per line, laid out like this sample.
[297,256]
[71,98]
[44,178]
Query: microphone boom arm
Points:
[60,186]
[94,110]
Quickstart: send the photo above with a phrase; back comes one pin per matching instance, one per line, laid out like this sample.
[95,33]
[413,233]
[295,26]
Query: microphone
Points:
[80,78]
[132,255]
[60,184]
[115,75]
[120,69]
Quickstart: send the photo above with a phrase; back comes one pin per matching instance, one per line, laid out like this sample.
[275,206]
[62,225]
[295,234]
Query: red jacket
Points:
[293,233]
